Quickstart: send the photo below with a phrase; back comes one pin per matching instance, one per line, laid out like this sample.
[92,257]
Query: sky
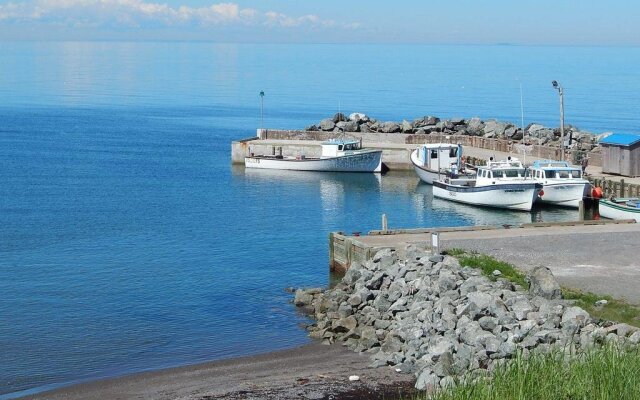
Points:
[528,22]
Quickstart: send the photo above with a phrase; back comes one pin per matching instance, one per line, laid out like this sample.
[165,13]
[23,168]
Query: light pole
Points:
[262,109]
[561,92]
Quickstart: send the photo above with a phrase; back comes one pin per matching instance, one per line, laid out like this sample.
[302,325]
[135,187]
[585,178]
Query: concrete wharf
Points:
[396,150]
[596,256]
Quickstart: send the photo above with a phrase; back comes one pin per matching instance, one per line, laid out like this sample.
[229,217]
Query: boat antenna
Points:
[438,161]
[524,143]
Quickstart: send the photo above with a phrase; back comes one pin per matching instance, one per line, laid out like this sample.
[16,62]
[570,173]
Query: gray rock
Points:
[442,346]
[351,126]
[358,117]
[337,117]
[390,127]
[475,126]
[601,303]
[634,338]
[521,307]
[327,124]
[385,258]
[542,283]
[302,298]
[488,323]
[427,380]
[574,318]
[481,300]
[444,365]
[406,126]
[344,324]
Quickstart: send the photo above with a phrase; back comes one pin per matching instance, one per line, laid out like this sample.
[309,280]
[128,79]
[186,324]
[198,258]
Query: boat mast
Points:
[524,143]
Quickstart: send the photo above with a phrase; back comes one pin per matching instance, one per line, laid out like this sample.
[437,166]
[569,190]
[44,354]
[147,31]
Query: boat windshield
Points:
[511,173]
[506,173]
[550,173]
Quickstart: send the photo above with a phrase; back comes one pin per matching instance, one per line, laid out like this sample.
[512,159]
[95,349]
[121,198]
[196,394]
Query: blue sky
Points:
[542,22]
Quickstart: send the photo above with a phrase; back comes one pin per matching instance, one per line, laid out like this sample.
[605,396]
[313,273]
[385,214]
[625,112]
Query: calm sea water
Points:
[127,240]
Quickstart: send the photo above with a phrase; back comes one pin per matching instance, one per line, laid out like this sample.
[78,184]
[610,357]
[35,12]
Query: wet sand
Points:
[312,371]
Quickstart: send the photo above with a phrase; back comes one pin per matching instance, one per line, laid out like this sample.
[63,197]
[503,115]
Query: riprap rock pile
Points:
[429,316]
[536,133]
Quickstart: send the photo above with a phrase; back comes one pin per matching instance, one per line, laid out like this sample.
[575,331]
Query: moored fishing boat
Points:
[563,184]
[432,160]
[338,155]
[620,208]
[500,184]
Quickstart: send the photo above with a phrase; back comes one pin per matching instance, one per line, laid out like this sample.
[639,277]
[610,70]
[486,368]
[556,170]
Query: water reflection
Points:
[348,200]
[490,216]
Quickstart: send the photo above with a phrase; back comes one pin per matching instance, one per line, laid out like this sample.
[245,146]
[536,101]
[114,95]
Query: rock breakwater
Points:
[427,315]
[535,133]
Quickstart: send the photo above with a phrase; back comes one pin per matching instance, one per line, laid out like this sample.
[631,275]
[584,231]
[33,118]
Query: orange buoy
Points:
[541,193]
[596,192]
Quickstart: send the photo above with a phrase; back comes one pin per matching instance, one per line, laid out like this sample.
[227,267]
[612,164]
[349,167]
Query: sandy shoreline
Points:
[311,371]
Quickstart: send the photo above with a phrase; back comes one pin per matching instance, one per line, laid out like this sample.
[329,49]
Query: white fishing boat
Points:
[501,184]
[620,208]
[563,184]
[431,161]
[338,155]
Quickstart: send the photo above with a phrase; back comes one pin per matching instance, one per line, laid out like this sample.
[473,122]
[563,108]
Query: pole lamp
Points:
[262,109]
[561,93]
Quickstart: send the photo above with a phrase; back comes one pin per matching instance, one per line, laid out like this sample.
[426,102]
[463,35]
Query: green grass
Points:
[615,310]
[488,264]
[606,373]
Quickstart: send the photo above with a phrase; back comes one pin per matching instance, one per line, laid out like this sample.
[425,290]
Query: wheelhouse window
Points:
[549,174]
[563,174]
[453,152]
[511,173]
[434,154]
[576,174]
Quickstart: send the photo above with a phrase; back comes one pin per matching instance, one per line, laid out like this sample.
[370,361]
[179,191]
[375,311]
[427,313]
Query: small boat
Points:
[338,155]
[620,208]
[563,184]
[430,161]
[501,184]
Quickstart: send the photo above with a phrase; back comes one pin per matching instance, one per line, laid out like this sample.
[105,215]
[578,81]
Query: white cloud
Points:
[141,12]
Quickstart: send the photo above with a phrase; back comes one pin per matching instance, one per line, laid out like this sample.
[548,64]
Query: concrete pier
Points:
[397,147]
[596,256]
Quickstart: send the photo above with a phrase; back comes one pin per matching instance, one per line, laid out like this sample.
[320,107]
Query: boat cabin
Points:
[339,147]
[437,156]
[549,169]
[512,168]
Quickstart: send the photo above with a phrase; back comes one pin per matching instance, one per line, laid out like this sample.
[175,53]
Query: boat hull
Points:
[426,175]
[563,193]
[518,196]
[609,209]
[367,161]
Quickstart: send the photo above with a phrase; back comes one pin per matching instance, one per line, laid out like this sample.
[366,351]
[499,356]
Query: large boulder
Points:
[327,124]
[358,117]
[351,126]
[475,126]
[337,117]
[574,318]
[390,127]
[407,127]
[542,283]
